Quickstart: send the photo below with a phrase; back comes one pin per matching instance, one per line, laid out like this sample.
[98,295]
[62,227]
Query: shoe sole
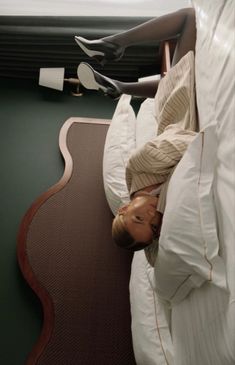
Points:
[88,51]
[86,76]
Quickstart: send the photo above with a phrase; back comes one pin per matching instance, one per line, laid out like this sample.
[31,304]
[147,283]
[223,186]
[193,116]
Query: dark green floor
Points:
[30,121]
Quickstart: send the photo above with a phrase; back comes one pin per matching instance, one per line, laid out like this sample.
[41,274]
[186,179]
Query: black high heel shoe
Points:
[93,80]
[102,51]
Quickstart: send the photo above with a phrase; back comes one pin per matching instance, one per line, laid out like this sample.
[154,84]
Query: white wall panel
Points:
[91,7]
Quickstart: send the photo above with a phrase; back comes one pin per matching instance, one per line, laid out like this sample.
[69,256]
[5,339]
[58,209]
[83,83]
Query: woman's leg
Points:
[145,89]
[94,80]
[179,24]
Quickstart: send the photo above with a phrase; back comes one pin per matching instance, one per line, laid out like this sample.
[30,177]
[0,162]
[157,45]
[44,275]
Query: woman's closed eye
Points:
[139,218]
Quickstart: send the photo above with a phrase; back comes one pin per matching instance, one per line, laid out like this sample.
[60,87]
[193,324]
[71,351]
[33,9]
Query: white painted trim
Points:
[145,8]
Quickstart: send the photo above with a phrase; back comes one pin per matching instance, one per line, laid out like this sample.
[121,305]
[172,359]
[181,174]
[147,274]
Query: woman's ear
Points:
[123,209]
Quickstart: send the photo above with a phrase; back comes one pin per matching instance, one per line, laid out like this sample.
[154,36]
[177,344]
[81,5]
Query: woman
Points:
[138,224]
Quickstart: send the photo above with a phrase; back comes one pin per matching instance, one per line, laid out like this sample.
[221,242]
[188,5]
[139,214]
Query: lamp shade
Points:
[52,77]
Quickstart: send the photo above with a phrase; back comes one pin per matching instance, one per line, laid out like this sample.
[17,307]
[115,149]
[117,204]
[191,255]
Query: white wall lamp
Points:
[54,79]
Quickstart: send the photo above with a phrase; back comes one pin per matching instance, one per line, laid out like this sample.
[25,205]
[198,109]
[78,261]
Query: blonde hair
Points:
[122,237]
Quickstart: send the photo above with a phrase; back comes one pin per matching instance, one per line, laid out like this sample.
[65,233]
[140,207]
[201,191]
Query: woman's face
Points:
[141,218]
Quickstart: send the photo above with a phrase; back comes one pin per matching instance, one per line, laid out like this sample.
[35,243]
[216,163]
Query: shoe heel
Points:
[101,60]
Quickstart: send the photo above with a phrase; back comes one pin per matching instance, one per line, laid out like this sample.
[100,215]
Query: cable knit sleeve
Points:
[153,162]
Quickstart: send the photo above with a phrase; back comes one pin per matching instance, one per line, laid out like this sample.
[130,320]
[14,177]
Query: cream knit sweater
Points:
[177,125]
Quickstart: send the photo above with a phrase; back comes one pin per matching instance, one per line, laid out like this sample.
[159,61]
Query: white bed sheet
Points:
[203,325]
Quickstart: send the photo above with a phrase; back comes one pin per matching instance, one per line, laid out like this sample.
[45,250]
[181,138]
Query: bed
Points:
[131,312]
[183,309]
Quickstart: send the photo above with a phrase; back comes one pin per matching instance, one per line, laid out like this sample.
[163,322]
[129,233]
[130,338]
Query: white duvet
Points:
[203,325]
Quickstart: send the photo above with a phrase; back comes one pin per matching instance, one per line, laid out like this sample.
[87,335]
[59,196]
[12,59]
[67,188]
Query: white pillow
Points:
[150,317]
[188,246]
[126,132]
[146,122]
[119,143]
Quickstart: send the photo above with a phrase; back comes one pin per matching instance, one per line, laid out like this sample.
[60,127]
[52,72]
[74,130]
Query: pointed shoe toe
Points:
[102,51]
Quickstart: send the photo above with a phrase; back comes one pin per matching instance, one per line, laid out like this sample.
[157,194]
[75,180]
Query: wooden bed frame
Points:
[67,256]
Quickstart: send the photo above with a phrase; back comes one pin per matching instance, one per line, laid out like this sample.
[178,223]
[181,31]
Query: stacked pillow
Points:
[126,132]
[188,253]
[120,142]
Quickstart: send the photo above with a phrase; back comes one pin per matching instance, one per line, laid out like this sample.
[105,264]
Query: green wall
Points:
[30,121]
